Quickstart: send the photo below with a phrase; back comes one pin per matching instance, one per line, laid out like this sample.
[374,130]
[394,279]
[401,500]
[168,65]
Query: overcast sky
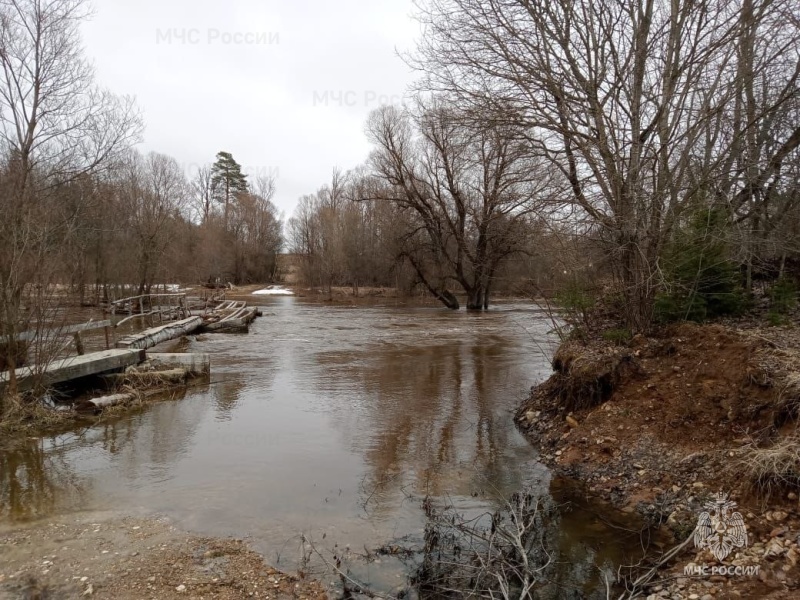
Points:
[284,85]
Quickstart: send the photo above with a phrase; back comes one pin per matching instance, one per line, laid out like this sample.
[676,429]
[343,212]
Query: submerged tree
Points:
[470,192]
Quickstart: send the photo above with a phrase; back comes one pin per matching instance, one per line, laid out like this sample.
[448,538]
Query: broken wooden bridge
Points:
[177,317]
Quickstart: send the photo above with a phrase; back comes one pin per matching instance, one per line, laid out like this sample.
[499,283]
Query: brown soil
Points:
[661,424]
[104,556]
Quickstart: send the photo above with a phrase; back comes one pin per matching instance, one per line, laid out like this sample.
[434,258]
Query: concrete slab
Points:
[74,367]
[198,362]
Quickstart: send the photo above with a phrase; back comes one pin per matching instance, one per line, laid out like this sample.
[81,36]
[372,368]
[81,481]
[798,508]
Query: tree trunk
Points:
[444,296]
[638,289]
[476,297]
[156,335]
[447,298]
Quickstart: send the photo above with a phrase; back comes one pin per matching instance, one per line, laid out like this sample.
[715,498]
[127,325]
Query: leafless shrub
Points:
[493,555]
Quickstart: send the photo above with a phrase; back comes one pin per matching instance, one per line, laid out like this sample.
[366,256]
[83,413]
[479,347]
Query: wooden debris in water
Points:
[163,333]
[98,404]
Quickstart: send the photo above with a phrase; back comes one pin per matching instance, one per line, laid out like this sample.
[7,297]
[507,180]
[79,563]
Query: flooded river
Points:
[332,422]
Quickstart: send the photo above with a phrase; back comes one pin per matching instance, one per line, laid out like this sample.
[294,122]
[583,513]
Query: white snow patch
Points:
[274,291]
[171,288]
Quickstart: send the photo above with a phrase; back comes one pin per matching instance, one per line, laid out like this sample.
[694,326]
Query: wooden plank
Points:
[163,333]
[151,296]
[27,336]
[233,325]
[75,367]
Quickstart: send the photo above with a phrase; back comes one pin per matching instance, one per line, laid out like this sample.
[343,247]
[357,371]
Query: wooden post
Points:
[105,331]
[79,343]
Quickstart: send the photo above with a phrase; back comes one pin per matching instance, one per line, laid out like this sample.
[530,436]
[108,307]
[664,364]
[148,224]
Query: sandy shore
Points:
[103,555]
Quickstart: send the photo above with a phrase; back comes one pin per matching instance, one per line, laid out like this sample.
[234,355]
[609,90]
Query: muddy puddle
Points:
[332,423]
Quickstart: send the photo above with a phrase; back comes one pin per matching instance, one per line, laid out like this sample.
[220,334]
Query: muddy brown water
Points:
[334,423]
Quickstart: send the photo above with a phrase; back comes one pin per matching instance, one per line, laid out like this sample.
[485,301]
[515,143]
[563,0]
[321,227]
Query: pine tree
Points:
[702,280]
[227,181]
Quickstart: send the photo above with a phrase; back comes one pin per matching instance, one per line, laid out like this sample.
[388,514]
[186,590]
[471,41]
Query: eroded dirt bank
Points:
[102,555]
[660,425]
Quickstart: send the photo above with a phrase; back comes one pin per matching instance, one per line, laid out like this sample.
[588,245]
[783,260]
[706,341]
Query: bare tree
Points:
[56,128]
[203,194]
[471,189]
[153,192]
[52,114]
[646,107]
[256,233]
[343,238]
[317,234]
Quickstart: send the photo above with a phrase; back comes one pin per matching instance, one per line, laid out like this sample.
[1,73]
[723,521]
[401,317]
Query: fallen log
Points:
[95,405]
[239,324]
[229,326]
[151,337]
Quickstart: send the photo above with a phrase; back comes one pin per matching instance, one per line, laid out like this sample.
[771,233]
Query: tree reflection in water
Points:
[33,481]
[43,476]
[436,408]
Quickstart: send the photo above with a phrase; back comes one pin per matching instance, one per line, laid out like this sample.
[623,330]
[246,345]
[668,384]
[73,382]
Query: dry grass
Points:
[789,396]
[776,468]
[28,415]
[24,414]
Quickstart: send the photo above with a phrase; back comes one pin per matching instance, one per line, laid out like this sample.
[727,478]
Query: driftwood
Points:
[163,333]
[228,326]
[95,405]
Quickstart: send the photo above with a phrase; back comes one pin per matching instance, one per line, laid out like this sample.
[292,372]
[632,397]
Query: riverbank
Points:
[657,426]
[102,555]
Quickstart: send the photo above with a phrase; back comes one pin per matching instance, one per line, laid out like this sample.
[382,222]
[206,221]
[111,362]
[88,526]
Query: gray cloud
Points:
[285,86]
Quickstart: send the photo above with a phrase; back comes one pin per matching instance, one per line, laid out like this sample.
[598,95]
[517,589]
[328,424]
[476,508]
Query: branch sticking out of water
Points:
[499,554]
